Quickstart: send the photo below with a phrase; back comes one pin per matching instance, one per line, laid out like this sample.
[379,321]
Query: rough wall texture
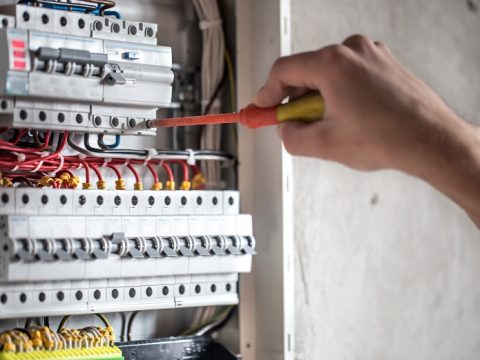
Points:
[386,267]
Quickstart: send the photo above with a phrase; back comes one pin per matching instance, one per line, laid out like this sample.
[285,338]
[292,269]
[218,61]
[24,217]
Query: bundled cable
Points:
[213,62]
[41,342]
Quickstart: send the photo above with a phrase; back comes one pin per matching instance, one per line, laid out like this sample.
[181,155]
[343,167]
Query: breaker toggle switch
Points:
[186,245]
[45,249]
[248,245]
[63,249]
[82,248]
[203,245]
[154,247]
[23,249]
[115,76]
[101,248]
[135,247]
[170,247]
[233,245]
[218,245]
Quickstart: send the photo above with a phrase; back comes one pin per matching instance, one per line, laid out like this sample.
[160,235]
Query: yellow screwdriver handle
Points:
[308,108]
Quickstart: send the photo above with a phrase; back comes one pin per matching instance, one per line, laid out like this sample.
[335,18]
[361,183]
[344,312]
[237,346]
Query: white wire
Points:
[212,73]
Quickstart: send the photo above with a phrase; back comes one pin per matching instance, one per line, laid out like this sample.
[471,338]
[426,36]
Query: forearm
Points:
[452,165]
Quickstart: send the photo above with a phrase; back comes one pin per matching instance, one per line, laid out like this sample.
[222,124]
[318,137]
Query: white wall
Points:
[386,267]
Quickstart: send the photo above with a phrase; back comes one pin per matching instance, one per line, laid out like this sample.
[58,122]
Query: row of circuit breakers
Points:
[81,251]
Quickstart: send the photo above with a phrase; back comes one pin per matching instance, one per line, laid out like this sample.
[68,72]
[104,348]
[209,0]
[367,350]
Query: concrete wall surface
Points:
[386,267]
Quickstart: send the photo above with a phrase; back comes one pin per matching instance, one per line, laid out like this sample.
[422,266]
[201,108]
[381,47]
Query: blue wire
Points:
[115,145]
[113,13]
[77,9]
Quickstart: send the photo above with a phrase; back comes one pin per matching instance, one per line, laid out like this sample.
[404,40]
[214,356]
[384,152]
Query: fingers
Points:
[289,73]
[306,139]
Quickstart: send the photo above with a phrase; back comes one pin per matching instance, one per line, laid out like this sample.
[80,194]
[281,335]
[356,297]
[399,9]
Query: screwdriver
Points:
[308,108]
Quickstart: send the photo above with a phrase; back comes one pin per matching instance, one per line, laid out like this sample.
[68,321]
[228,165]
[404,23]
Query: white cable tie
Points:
[105,162]
[62,162]
[208,24]
[191,157]
[40,164]
[151,154]
[20,157]
[126,163]
[82,156]
[44,154]
[15,168]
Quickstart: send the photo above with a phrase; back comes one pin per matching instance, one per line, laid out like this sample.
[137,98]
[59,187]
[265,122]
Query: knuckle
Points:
[279,63]
[333,53]
[357,39]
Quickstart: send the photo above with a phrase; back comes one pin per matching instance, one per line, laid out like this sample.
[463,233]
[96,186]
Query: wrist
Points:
[450,161]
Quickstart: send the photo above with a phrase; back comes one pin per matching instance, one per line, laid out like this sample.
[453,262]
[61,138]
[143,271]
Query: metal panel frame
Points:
[267,295]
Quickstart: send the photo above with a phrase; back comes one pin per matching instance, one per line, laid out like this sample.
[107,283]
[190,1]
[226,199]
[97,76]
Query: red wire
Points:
[115,170]
[169,171]
[135,173]
[19,136]
[186,175]
[96,171]
[154,173]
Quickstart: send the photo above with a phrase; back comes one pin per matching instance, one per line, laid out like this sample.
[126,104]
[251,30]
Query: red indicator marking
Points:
[19,65]
[19,54]
[18,44]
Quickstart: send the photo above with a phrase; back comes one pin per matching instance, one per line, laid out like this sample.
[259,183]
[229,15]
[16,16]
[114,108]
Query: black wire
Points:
[28,321]
[215,93]
[123,326]
[86,142]
[88,147]
[60,139]
[130,324]
[46,321]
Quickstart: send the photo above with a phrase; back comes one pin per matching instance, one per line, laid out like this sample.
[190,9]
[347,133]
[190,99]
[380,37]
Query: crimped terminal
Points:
[87,186]
[120,184]
[157,186]
[101,184]
[198,181]
[186,185]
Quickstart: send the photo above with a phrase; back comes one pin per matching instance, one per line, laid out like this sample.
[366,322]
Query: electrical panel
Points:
[72,73]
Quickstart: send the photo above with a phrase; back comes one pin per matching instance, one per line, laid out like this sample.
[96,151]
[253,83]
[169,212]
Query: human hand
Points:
[378,116]
[377,113]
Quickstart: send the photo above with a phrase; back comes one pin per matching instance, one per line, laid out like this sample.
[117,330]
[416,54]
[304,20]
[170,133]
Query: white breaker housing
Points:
[70,252]
[78,72]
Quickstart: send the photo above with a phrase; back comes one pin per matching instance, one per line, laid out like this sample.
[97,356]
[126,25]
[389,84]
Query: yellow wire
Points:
[231,82]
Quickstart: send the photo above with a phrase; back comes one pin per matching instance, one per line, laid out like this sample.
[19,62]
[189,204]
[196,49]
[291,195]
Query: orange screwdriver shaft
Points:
[308,108]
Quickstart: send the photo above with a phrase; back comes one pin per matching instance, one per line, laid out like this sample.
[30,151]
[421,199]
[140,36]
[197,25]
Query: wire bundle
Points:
[213,60]
[41,342]
[44,164]
[96,7]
